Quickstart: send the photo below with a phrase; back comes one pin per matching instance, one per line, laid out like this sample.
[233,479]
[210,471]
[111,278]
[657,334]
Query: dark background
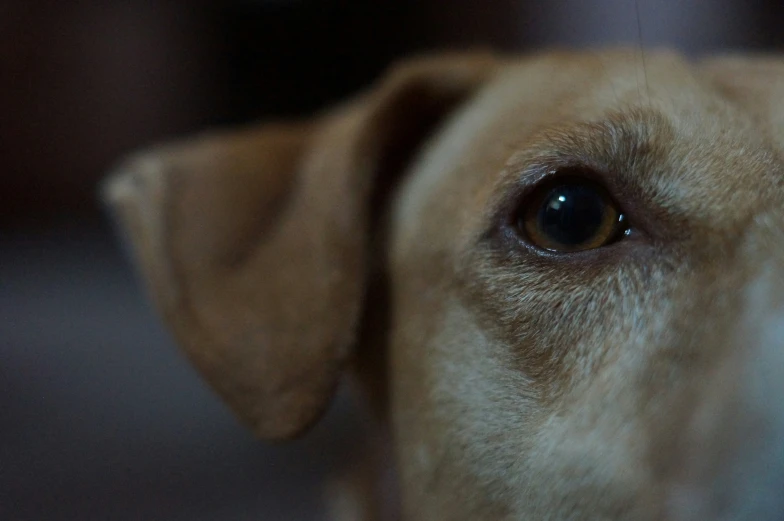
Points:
[100,418]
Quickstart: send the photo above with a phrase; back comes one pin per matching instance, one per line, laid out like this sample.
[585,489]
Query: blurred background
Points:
[100,417]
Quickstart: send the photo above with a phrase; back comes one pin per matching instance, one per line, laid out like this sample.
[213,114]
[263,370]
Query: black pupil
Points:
[572,214]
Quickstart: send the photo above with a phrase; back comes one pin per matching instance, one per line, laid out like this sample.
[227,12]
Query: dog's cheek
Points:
[476,438]
[560,323]
[462,427]
[584,421]
[474,424]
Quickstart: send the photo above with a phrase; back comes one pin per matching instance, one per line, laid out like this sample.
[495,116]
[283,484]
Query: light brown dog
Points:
[558,277]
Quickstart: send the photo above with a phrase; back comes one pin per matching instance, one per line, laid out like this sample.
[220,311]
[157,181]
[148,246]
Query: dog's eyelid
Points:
[569,212]
[524,181]
[527,178]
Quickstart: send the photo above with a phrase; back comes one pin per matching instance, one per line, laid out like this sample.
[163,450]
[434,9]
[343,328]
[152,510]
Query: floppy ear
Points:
[756,83]
[254,243]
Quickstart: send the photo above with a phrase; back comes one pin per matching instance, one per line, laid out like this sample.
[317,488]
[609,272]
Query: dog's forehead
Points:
[652,118]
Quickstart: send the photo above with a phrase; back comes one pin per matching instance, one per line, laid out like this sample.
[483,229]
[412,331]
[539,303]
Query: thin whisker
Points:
[642,50]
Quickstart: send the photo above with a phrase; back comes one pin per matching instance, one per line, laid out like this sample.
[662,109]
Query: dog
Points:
[557,278]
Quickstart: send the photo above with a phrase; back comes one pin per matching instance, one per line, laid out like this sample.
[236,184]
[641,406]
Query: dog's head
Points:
[556,274]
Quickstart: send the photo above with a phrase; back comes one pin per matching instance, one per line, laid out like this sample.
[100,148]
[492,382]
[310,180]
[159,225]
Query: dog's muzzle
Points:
[732,462]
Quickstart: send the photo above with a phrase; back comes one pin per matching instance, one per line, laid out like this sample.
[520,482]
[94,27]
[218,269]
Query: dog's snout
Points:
[733,464]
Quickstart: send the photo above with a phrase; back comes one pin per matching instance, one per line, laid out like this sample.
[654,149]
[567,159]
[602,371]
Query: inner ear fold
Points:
[255,243]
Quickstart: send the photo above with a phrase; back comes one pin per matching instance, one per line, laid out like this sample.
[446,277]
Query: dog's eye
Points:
[570,215]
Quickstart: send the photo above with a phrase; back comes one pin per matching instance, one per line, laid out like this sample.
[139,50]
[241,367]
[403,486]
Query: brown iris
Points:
[571,214]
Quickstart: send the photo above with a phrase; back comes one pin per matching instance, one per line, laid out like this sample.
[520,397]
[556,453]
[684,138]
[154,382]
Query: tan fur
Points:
[516,385]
